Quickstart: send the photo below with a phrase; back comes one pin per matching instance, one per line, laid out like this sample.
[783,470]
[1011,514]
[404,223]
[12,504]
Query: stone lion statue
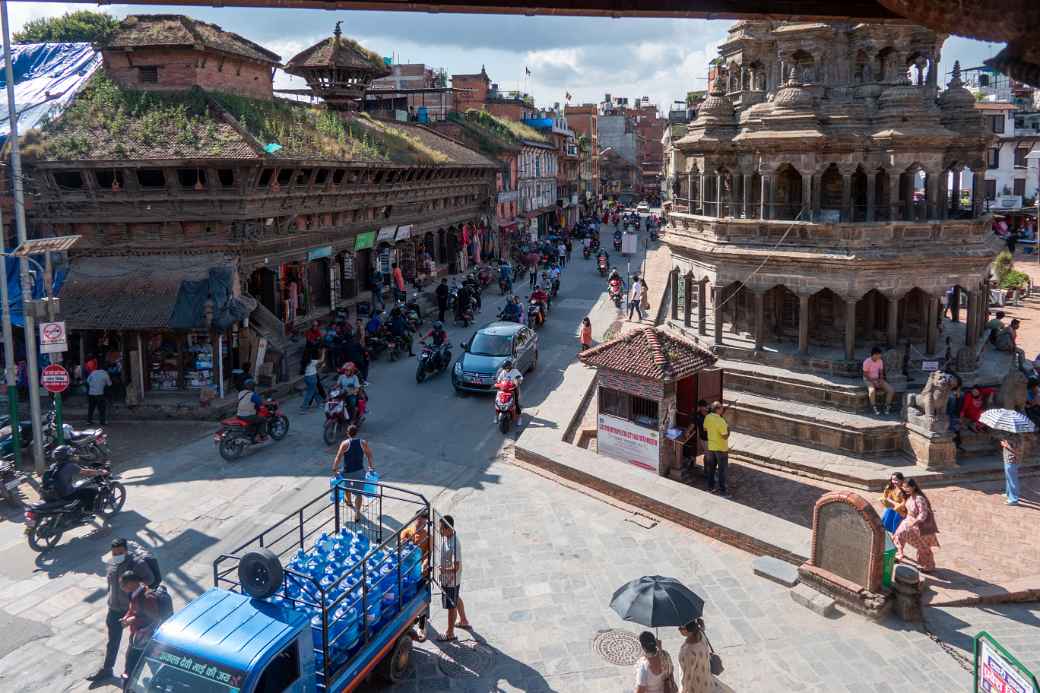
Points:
[931,400]
[1012,392]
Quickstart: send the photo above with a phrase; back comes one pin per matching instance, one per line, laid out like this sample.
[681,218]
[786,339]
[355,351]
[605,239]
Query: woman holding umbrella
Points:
[1015,424]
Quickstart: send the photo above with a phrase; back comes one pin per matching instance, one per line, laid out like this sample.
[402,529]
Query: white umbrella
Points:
[1007,420]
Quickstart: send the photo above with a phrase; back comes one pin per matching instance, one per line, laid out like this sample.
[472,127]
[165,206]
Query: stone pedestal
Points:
[906,584]
[931,449]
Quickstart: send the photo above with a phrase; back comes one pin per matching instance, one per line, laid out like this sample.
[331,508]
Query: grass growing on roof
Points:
[513,129]
[108,122]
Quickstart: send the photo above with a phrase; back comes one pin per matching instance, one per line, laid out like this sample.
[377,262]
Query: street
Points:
[542,558]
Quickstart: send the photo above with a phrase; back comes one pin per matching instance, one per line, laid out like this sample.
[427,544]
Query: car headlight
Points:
[458,368]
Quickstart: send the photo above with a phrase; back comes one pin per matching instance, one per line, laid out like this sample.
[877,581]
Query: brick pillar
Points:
[850,327]
[803,325]
[871,193]
[702,308]
[893,320]
[933,328]
[760,320]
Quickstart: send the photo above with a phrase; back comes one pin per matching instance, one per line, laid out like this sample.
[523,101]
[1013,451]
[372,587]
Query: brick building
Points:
[287,210]
[584,120]
[555,128]
[414,91]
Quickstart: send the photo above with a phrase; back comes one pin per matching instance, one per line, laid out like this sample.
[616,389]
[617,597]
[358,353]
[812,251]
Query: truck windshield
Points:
[163,669]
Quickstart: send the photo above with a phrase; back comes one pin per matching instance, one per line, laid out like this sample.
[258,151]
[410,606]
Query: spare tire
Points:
[260,573]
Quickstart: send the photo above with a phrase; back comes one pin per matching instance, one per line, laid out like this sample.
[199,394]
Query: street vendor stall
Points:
[644,382]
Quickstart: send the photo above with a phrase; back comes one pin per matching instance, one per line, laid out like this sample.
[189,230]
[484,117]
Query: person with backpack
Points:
[142,618]
[126,558]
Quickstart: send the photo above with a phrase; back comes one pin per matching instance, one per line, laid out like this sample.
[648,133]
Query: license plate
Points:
[216,439]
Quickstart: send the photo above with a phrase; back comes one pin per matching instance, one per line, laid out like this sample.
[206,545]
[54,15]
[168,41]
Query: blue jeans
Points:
[1011,481]
[311,393]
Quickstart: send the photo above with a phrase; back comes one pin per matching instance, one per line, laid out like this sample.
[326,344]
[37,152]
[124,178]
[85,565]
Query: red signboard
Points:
[55,378]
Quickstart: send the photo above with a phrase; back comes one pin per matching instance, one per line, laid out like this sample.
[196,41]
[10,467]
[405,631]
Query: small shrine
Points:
[338,70]
[648,383]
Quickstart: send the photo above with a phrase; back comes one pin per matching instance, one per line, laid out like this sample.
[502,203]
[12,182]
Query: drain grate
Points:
[618,647]
[466,659]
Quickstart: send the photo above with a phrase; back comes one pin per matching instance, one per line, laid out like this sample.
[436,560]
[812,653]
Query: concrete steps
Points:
[802,423]
[845,394]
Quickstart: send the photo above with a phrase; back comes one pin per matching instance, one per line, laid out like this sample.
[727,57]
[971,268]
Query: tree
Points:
[80,26]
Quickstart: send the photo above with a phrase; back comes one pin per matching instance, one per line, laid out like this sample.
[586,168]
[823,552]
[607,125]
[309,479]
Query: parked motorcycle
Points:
[505,405]
[234,435]
[89,444]
[10,479]
[432,360]
[45,522]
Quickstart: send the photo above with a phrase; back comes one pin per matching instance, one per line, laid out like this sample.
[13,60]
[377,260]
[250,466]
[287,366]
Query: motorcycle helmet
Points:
[249,383]
[507,364]
[349,367]
[438,325]
[62,453]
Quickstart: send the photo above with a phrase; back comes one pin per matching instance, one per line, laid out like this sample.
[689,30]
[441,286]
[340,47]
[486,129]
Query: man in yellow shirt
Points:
[717,457]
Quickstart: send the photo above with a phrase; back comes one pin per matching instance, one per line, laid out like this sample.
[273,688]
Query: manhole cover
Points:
[466,659]
[618,647]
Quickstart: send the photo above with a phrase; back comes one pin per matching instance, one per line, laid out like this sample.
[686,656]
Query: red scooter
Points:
[505,405]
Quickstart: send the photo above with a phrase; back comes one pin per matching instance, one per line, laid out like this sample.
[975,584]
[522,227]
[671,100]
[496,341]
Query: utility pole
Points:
[19,220]
[10,369]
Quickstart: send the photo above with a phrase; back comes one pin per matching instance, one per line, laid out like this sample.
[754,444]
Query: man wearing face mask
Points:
[125,557]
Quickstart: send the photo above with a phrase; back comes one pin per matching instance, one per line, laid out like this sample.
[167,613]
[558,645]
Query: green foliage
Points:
[1014,280]
[1003,264]
[105,121]
[79,26]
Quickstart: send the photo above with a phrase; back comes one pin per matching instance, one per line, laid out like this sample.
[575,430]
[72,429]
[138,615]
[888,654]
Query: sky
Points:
[587,57]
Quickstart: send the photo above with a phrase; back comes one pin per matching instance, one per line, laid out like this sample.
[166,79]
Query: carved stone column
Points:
[745,188]
[850,327]
[717,315]
[892,322]
[760,320]
[846,196]
[955,305]
[978,193]
[703,187]
[763,198]
[893,196]
[932,191]
[816,179]
[807,188]
[871,194]
[803,324]
[955,197]
[933,327]
[971,332]
[702,307]
[718,194]
[942,202]
[688,303]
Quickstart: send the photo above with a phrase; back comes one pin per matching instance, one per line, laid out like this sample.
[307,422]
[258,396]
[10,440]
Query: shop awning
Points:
[154,292]
[404,232]
[365,240]
[386,233]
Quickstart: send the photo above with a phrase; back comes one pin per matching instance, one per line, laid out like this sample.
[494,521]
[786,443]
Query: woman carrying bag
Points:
[697,660]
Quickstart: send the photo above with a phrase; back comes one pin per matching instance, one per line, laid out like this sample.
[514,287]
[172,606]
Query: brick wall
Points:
[511,111]
[182,69]
[474,91]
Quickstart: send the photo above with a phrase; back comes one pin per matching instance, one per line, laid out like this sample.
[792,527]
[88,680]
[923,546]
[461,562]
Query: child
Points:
[892,499]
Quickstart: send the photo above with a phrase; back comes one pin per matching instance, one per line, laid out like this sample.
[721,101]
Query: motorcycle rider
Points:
[509,372]
[400,330]
[474,289]
[439,337]
[505,274]
[513,312]
[248,405]
[615,284]
[554,277]
[65,477]
[542,299]
[349,384]
[463,300]
[375,323]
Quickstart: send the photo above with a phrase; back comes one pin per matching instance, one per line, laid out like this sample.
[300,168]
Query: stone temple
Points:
[829,194]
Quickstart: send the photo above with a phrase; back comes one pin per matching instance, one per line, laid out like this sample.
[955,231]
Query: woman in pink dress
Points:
[918,529]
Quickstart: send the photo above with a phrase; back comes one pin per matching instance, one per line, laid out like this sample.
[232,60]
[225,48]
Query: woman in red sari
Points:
[918,529]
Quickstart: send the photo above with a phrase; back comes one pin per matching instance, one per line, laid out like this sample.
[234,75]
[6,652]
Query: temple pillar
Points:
[763,198]
[955,198]
[892,322]
[703,187]
[971,333]
[893,196]
[816,179]
[807,188]
[803,324]
[688,303]
[745,188]
[846,197]
[933,325]
[702,308]
[978,193]
[955,305]
[716,308]
[942,202]
[760,320]
[908,196]
[850,328]
[871,193]
[932,192]
[673,287]
[718,194]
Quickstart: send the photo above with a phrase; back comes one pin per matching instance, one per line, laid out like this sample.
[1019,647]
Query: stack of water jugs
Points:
[342,554]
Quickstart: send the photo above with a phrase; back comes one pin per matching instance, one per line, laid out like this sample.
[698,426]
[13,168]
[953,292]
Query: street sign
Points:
[998,671]
[55,379]
[52,338]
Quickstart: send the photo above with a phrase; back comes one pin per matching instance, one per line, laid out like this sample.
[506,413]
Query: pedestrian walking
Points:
[398,277]
[125,557]
[349,464]
[645,301]
[585,334]
[451,571]
[142,618]
[635,298]
[310,380]
[654,670]
[561,252]
[894,503]
[442,292]
[918,529]
[97,382]
[1011,447]
[716,460]
[695,659]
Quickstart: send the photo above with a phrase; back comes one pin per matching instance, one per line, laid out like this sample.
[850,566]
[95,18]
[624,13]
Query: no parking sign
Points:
[52,338]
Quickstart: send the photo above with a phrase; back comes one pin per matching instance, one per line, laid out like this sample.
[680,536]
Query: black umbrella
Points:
[656,602]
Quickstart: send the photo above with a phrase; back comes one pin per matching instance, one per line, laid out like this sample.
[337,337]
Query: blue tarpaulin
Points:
[47,77]
[14,286]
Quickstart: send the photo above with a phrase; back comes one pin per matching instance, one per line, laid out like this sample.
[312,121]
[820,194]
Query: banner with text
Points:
[628,441]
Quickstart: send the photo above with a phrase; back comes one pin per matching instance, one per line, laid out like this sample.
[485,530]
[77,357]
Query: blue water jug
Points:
[371,479]
[333,491]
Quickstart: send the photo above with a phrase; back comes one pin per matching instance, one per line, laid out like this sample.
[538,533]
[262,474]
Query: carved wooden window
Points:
[285,175]
[265,178]
[68,180]
[151,178]
[148,74]
[337,176]
[226,176]
[191,178]
[107,180]
[321,176]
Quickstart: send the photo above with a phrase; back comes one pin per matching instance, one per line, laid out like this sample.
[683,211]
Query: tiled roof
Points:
[649,353]
[138,31]
[338,51]
[995,106]
[129,293]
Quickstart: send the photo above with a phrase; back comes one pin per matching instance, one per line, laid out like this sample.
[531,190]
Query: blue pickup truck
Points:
[340,609]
